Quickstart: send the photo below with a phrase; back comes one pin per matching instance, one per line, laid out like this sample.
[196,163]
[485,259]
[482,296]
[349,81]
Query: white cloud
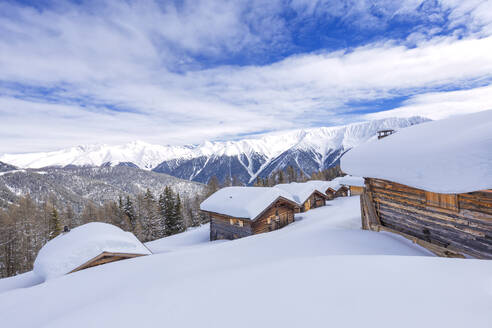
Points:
[439,105]
[126,55]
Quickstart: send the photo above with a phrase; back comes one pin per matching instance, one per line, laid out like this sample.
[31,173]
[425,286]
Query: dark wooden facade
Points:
[330,193]
[277,215]
[105,257]
[451,225]
[343,191]
[317,199]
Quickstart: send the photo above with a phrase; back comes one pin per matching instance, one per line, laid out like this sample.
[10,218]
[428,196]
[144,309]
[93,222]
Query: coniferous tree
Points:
[236,181]
[129,211]
[178,215]
[55,224]
[213,185]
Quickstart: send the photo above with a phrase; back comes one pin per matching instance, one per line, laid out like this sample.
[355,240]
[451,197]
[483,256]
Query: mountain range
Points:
[307,150]
[76,186]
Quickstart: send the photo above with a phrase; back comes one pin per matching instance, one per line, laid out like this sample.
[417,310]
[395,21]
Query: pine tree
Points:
[150,218]
[236,181]
[55,224]
[178,215]
[129,211]
[174,216]
[213,185]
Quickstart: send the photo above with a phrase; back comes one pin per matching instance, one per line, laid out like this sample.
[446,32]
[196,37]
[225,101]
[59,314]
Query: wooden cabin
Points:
[330,193]
[342,191]
[306,194]
[316,199]
[452,225]
[431,183]
[355,185]
[385,133]
[237,212]
[355,190]
[86,246]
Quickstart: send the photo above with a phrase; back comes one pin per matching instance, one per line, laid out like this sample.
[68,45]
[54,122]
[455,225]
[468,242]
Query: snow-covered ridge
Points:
[148,156]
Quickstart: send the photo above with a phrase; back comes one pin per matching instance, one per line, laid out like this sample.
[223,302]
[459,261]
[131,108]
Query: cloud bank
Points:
[182,72]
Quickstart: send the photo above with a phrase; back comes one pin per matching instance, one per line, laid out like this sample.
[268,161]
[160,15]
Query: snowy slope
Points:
[320,271]
[453,155]
[309,150]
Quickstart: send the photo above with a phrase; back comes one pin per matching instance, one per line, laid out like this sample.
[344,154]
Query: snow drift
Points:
[453,155]
[69,250]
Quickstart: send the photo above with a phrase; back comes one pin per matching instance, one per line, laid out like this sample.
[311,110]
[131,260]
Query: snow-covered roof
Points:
[301,191]
[350,180]
[70,250]
[453,155]
[243,202]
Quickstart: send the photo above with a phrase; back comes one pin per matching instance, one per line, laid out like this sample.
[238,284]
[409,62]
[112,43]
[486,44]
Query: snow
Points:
[191,238]
[349,180]
[300,191]
[23,280]
[148,156]
[320,271]
[243,202]
[69,250]
[453,155]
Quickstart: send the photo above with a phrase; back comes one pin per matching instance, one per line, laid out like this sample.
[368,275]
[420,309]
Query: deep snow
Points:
[70,250]
[320,271]
[453,155]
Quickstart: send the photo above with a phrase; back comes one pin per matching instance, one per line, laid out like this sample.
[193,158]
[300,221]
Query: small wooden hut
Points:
[306,194]
[342,191]
[437,194]
[330,193]
[86,246]
[385,133]
[237,212]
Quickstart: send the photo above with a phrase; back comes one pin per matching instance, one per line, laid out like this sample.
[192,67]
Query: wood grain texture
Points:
[461,224]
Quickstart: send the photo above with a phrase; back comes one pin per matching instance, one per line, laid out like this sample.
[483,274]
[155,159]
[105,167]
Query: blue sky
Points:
[177,72]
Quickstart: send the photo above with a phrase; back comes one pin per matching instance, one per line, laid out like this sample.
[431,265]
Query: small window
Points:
[269,220]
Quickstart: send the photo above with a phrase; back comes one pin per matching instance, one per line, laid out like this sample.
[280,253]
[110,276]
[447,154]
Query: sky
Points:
[180,72]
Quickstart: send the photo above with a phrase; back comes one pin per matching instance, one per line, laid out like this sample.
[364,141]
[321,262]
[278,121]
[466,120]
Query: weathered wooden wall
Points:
[448,225]
[342,192]
[276,216]
[356,190]
[315,200]
[330,193]
[221,227]
[268,222]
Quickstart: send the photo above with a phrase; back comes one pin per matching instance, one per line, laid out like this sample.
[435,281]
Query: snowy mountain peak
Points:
[307,149]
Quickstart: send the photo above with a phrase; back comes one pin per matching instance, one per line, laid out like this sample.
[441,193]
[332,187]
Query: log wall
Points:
[356,190]
[315,200]
[342,192]
[221,227]
[274,218]
[448,225]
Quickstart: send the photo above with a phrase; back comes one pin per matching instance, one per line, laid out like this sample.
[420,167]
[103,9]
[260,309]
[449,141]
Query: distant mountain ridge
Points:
[76,186]
[308,150]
